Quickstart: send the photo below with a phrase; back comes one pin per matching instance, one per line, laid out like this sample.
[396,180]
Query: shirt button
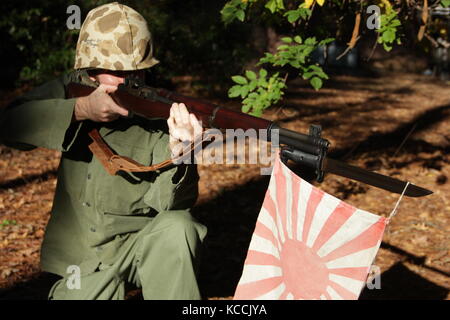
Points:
[86,204]
[89,176]
[92,229]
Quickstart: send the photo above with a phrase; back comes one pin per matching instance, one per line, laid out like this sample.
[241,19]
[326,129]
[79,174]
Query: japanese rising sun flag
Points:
[308,244]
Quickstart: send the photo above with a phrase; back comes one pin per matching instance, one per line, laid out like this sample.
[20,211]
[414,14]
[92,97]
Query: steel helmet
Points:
[114,37]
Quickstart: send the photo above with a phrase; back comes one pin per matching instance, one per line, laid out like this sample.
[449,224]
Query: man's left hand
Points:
[183,128]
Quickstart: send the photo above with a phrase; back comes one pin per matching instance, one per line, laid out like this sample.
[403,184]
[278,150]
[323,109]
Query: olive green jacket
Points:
[93,212]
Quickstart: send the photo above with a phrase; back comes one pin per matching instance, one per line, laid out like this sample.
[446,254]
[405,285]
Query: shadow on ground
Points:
[401,283]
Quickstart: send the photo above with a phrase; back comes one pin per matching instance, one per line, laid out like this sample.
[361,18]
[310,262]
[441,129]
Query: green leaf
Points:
[282,47]
[311,41]
[292,15]
[246,107]
[387,47]
[445,3]
[305,13]
[240,15]
[298,39]
[326,41]
[388,36]
[395,23]
[250,75]
[280,4]
[285,54]
[287,39]
[323,75]
[268,58]
[252,85]
[295,64]
[262,73]
[316,83]
[271,5]
[239,79]
[315,68]
[318,71]
[228,13]
[244,92]
[274,5]
[262,82]
[308,75]
[235,91]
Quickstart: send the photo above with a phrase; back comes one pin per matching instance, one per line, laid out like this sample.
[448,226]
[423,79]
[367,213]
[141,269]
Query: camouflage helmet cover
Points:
[114,37]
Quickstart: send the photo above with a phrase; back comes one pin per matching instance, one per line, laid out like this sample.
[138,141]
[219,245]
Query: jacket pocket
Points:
[123,194]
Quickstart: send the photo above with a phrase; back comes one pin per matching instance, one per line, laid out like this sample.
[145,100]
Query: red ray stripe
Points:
[261,258]
[270,207]
[358,273]
[295,196]
[365,240]
[255,289]
[313,201]
[344,293]
[280,191]
[334,222]
[264,232]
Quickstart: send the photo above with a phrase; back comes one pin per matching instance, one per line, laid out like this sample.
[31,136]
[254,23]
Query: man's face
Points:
[114,78]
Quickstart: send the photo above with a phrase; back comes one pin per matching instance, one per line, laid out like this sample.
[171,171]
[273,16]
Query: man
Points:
[129,228]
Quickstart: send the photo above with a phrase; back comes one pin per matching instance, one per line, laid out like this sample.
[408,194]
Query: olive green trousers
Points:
[162,259]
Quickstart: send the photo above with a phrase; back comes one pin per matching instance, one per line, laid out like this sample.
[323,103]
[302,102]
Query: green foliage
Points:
[7,222]
[445,3]
[234,10]
[38,39]
[388,29]
[300,13]
[257,91]
[258,94]
[315,75]
[309,24]
[295,53]
[275,5]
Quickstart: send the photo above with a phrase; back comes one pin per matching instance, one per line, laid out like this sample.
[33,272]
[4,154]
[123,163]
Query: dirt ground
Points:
[396,124]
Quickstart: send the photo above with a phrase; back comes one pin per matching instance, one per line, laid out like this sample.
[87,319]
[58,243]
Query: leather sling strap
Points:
[114,163]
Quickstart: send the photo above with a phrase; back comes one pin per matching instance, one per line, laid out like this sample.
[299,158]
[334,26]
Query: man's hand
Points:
[183,128]
[98,106]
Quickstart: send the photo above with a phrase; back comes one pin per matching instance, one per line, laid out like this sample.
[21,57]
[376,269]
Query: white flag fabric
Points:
[308,244]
